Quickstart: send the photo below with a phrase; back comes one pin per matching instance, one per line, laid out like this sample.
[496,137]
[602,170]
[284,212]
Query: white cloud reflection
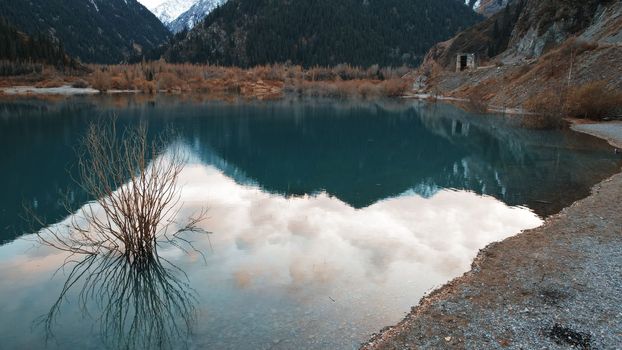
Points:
[318,239]
[292,237]
[301,268]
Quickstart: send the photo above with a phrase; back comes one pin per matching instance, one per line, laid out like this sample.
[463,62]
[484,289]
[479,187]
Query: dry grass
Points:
[269,81]
[594,100]
[349,88]
[476,100]
[80,84]
[101,81]
[546,103]
[549,109]
[50,83]
[556,64]
[260,81]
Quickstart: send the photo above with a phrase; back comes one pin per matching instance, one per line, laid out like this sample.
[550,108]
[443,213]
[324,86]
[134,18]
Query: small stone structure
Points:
[465,61]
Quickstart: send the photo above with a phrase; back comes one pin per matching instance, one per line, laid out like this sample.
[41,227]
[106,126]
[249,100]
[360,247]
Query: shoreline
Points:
[29,90]
[608,131]
[550,287]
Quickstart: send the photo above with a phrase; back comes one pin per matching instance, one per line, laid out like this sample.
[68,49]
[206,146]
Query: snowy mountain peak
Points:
[169,10]
[180,14]
[194,14]
[487,7]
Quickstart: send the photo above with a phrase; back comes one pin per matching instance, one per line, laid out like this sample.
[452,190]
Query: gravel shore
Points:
[611,131]
[558,286]
[61,90]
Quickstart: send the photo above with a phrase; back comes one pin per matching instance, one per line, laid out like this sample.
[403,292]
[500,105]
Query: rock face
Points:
[543,25]
[532,55]
[530,28]
[102,31]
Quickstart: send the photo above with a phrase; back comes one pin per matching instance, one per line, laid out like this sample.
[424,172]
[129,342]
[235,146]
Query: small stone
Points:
[447,339]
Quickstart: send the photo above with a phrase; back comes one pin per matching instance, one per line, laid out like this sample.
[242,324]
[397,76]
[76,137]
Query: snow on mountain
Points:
[486,7]
[490,7]
[194,14]
[169,10]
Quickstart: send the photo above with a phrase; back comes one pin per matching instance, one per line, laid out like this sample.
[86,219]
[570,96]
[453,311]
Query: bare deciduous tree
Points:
[136,202]
[136,197]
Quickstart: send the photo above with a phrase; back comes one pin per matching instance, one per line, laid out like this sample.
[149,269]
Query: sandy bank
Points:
[61,90]
[610,131]
[552,287]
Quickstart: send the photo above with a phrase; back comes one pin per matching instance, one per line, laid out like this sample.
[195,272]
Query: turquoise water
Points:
[329,219]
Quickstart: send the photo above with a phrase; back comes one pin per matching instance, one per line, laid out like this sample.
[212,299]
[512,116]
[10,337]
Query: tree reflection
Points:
[142,304]
[113,242]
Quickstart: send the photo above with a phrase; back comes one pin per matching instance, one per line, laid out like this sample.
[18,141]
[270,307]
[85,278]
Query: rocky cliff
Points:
[530,28]
[532,46]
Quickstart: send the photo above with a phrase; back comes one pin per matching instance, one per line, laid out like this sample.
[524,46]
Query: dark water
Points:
[329,218]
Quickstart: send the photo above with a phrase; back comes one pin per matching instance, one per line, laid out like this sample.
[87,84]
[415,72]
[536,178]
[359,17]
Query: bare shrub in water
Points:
[141,301]
[134,184]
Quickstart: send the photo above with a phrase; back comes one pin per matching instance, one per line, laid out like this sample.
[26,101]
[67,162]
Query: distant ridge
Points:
[102,31]
[169,10]
[321,32]
[194,15]
[22,54]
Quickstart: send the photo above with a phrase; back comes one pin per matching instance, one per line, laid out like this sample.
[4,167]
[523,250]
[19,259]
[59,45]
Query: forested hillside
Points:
[321,32]
[20,53]
[103,31]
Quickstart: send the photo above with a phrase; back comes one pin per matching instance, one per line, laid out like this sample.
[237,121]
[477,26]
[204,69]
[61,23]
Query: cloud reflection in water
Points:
[279,256]
[309,271]
[292,235]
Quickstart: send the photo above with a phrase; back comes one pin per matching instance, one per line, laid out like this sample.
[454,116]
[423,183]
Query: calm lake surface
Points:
[329,219]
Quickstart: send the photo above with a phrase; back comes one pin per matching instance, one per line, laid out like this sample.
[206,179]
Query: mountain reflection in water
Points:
[360,152]
[330,219]
[283,272]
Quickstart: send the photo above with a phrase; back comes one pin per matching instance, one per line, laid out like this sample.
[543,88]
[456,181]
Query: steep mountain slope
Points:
[169,10]
[528,28]
[533,48]
[490,7]
[103,31]
[194,14]
[321,32]
[22,54]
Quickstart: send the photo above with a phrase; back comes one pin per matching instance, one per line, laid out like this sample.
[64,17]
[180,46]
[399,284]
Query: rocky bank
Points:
[554,287]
